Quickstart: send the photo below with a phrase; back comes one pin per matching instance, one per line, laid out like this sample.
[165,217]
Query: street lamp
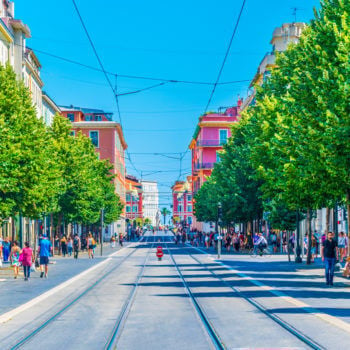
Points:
[298,247]
[219,228]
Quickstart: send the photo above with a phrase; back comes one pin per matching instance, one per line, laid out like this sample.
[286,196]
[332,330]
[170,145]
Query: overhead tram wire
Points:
[220,71]
[114,90]
[128,76]
[226,55]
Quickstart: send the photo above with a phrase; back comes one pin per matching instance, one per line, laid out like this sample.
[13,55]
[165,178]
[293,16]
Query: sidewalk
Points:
[14,292]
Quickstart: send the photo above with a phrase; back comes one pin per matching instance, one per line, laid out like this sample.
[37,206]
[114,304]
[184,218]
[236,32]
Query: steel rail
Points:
[123,315]
[213,335]
[288,327]
[37,330]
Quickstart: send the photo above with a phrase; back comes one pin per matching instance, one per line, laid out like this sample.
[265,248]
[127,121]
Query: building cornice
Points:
[5,31]
[51,103]
[217,124]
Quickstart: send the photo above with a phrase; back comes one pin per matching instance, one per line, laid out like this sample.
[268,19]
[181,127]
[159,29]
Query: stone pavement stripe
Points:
[325,317]
[10,314]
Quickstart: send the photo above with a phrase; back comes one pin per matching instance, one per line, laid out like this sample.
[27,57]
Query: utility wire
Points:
[226,55]
[93,48]
[140,90]
[68,60]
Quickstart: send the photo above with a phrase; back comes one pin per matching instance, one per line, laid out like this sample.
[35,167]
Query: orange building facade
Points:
[108,139]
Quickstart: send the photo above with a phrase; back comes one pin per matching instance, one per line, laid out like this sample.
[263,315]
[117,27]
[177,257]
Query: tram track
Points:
[288,327]
[123,315]
[217,342]
[32,334]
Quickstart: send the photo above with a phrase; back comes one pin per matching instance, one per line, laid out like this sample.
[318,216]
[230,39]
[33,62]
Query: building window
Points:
[127,208]
[223,136]
[128,197]
[179,208]
[94,138]
[98,118]
[88,118]
[189,197]
[134,209]
[189,208]
[70,116]
[72,133]
[218,157]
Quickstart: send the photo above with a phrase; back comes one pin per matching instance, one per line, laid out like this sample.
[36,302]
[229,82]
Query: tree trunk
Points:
[308,232]
[327,220]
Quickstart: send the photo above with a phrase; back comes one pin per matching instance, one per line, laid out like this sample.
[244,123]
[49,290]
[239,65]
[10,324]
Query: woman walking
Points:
[91,246]
[14,258]
[64,245]
[70,246]
[27,260]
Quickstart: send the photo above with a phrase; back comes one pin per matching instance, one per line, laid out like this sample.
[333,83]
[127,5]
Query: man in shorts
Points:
[44,251]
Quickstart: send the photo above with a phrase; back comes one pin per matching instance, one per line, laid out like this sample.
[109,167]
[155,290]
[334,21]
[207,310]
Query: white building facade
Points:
[150,201]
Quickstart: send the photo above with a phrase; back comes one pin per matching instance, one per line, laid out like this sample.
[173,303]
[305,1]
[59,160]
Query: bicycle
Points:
[256,251]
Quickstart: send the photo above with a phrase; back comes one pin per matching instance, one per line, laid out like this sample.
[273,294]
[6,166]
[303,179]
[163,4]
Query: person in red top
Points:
[27,259]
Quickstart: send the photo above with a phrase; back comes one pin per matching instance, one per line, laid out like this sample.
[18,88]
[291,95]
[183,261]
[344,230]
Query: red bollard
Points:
[159,253]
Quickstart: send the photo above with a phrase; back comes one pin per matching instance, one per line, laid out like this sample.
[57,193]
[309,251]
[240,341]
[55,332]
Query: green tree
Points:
[29,178]
[301,117]
[206,202]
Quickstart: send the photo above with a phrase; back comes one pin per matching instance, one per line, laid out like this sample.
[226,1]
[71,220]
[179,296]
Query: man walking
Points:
[329,253]
[44,252]
[76,246]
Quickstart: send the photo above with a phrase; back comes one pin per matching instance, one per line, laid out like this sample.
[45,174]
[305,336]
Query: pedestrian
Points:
[206,240]
[120,239]
[70,246]
[14,257]
[6,249]
[27,260]
[273,240]
[284,242]
[112,242]
[329,252]
[76,246]
[313,248]
[341,246]
[57,245]
[64,245]
[91,246]
[1,240]
[44,251]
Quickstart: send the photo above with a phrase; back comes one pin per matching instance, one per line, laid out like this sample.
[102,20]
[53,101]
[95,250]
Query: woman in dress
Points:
[14,258]
[27,260]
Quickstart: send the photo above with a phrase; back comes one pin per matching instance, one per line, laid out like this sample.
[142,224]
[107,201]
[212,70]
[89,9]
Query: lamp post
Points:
[298,248]
[219,228]
[101,237]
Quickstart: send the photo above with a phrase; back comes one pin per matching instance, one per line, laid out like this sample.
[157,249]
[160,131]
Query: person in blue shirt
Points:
[44,251]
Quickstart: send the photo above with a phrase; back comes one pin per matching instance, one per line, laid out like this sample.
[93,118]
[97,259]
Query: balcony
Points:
[200,166]
[211,143]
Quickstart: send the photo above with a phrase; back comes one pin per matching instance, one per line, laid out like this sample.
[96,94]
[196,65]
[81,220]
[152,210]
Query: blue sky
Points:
[180,40]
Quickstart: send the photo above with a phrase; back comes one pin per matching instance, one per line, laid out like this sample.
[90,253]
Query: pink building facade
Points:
[212,132]
[183,202]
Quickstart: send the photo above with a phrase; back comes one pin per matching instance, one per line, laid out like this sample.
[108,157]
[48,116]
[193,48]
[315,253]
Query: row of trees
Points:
[290,151]
[44,169]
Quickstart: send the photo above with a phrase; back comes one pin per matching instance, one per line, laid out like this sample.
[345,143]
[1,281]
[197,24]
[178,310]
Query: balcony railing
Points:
[211,143]
[199,166]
